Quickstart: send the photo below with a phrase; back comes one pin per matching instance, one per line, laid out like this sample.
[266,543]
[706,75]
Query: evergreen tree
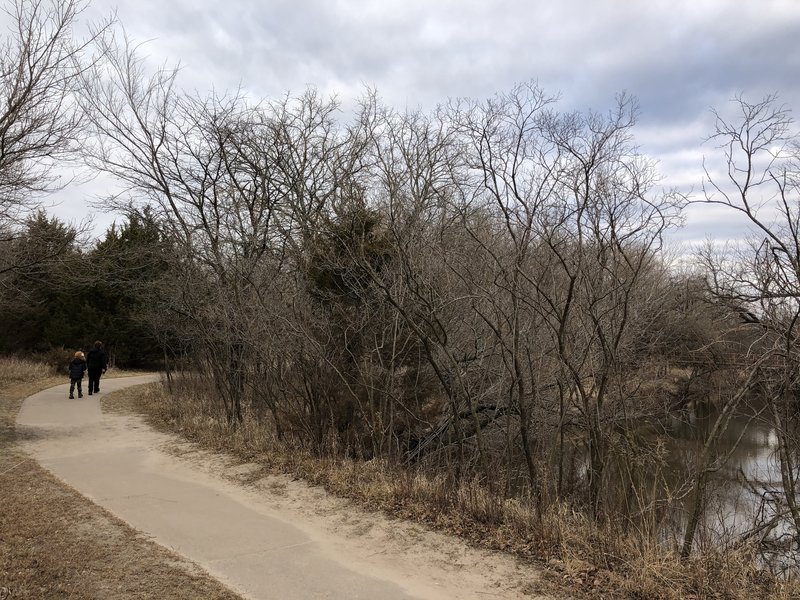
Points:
[41,295]
[127,265]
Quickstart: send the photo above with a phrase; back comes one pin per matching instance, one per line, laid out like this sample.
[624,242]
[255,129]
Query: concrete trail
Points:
[123,471]
[119,463]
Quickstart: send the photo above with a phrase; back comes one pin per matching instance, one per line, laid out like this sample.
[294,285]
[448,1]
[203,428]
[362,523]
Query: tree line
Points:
[64,292]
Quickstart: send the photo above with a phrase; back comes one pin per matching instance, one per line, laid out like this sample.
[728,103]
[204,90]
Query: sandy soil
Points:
[433,565]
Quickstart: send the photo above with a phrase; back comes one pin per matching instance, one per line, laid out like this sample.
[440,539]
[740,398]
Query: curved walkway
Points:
[253,546]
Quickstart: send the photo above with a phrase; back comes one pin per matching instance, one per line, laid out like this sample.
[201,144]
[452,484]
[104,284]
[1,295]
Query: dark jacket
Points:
[96,359]
[77,368]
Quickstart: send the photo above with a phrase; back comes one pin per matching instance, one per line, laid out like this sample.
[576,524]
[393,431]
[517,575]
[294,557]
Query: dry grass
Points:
[582,558]
[15,371]
[629,570]
[54,543]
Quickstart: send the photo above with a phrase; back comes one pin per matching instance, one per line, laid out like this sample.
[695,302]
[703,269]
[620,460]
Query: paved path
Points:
[254,544]
[121,469]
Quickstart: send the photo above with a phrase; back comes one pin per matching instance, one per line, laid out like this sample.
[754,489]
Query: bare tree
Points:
[758,177]
[41,61]
[237,186]
[583,225]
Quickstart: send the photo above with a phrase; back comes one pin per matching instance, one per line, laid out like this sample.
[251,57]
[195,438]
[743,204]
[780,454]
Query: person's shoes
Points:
[90,393]
[71,397]
[80,395]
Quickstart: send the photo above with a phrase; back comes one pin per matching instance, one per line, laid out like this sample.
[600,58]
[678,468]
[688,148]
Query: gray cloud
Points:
[678,57]
[674,56]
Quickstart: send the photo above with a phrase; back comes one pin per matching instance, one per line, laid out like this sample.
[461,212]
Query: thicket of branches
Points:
[480,289]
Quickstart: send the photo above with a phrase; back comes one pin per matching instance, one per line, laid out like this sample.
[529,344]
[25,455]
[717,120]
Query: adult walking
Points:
[97,363]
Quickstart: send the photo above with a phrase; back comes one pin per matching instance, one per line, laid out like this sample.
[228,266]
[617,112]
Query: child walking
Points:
[76,370]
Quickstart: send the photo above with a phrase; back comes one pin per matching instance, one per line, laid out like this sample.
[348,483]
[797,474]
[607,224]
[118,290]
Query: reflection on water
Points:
[748,443]
[746,489]
[651,482]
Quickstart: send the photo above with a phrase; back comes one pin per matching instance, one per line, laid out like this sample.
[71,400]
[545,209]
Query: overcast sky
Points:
[680,58]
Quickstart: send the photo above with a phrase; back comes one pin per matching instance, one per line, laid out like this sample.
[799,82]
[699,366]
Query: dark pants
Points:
[94,380]
[73,383]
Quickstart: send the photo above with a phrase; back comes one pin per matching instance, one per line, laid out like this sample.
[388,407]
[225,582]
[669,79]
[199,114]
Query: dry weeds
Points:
[54,543]
[581,558]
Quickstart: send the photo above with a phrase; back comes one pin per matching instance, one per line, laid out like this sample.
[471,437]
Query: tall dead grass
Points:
[582,556]
[19,370]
